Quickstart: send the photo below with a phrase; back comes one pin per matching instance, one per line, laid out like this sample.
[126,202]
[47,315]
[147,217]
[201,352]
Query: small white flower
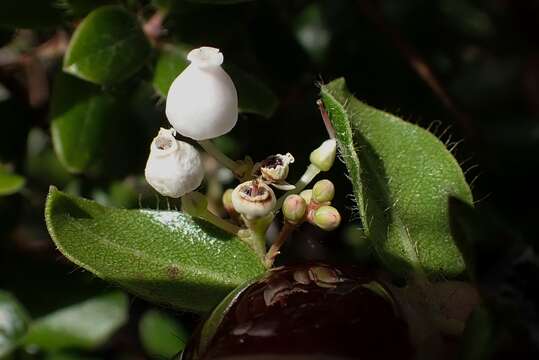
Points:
[275,167]
[253,199]
[202,102]
[174,168]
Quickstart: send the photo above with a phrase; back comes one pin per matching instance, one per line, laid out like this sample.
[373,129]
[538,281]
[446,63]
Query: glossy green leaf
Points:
[163,256]
[10,183]
[253,96]
[108,46]
[82,116]
[13,323]
[85,325]
[161,335]
[171,62]
[32,13]
[402,177]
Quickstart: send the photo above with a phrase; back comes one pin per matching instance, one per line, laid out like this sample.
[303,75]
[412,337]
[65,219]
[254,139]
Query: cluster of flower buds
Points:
[202,103]
[314,206]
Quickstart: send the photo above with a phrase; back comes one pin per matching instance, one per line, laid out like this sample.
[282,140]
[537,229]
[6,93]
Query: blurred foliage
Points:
[91,138]
[161,335]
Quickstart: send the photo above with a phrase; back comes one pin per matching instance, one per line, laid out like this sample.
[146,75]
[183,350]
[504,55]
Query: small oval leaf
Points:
[164,256]
[10,183]
[402,177]
[86,325]
[81,117]
[108,46]
[13,323]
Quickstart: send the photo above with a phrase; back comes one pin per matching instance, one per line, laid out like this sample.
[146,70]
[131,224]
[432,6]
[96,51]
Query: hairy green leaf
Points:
[163,256]
[82,116]
[13,323]
[108,46]
[162,336]
[402,177]
[10,183]
[253,96]
[86,325]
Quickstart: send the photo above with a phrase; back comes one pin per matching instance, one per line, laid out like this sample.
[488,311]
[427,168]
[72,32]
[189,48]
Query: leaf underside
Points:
[166,257]
[402,177]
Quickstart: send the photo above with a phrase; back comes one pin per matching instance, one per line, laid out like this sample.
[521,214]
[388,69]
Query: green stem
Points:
[211,149]
[196,204]
[255,234]
[256,241]
[305,179]
[221,223]
[276,246]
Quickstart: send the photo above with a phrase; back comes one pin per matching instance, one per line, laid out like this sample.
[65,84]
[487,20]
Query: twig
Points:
[273,252]
[153,28]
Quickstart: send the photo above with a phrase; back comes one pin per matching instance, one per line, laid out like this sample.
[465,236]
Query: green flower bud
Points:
[227,201]
[324,156]
[306,195]
[323,191]
[327,218]
[294,208]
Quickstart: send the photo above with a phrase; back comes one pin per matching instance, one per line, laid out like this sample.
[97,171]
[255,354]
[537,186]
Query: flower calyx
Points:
[253,199]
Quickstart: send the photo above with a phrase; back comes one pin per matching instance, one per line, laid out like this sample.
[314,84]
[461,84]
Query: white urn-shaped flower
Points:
[174,168]
[202,102]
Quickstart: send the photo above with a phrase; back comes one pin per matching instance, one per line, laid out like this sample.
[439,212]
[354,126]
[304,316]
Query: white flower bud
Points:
[174,168]
[324,156]
[202,102]
[253,199]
